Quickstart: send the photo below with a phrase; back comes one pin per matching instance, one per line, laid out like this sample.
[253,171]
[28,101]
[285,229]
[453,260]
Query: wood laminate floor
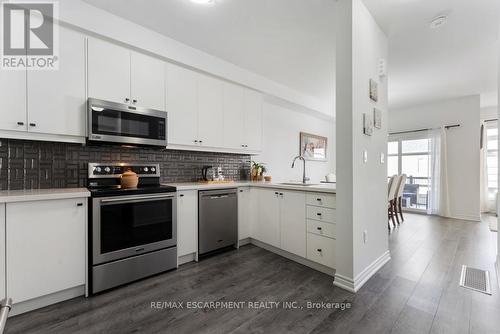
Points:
[416,292]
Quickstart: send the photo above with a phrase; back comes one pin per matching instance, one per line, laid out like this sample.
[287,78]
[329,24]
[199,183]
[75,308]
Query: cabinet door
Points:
[13,97]
[148,81]
[210,113]
[268,222]
[293,222]
[56,99]
[233,116]
[2,251]
[187,222]
[108,71]
[252,105]
[182,107]
[244,213]
[45,247]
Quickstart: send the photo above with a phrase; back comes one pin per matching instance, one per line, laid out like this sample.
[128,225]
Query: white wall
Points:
[361,187]
[489,113]
[281,128]
[98,22]
[463,147]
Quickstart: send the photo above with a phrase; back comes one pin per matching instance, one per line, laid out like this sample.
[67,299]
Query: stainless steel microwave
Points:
[126,124]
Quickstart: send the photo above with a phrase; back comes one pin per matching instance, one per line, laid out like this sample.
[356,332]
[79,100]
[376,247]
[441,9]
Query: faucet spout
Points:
[304,178]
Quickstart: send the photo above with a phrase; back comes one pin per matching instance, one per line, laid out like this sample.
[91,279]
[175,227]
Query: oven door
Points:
[124,226]
[121,123]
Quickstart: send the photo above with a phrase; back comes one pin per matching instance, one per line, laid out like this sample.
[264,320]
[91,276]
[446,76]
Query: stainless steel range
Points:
[132,231]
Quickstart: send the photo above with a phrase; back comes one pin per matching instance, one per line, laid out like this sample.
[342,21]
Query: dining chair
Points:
[398,205]
[391,195]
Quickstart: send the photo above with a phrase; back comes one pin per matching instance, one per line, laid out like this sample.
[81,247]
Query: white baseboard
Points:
[186,259]
[353,285]
[243,242]
[296,258]
[47,300]
[474,218]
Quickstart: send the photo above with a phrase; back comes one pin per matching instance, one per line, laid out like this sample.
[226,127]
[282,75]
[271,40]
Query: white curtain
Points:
[485,207]
[438,172]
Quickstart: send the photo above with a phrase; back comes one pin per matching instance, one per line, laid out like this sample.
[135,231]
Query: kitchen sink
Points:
[298,184]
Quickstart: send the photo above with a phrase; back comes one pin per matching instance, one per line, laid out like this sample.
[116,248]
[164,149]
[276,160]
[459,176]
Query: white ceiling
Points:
[288,41]
[457,59]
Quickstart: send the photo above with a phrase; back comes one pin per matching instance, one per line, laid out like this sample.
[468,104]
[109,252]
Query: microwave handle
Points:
[135,199]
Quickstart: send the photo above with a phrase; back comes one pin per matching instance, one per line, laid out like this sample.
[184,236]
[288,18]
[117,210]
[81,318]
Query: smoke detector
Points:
[438,21]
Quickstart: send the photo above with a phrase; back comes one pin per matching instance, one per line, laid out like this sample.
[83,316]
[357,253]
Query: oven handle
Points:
[135,199]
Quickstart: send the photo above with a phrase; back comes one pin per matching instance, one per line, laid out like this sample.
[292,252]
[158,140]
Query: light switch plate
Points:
[382,158]
[365,156]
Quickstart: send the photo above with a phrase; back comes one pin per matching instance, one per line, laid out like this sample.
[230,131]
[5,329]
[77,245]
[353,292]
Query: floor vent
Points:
[475,279]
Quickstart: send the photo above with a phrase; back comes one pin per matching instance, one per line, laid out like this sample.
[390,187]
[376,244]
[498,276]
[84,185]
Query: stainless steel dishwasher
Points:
[217,219]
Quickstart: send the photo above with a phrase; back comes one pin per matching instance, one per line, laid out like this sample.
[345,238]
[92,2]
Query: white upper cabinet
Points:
[182,106]
[56,99]
[13,96]
[252,110]
[148,81]
[108,71]
[234,120]
[210,112]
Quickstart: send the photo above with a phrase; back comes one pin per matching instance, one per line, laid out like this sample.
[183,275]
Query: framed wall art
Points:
[313,147]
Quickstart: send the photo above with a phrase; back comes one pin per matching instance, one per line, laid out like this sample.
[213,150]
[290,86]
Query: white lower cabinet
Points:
[2,251]
[287,220]
[187,222]
[321,249]
[293,222]
[45,247]
[244,213]
[267,226]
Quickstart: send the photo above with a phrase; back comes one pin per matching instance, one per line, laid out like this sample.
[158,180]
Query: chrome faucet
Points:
[304,178]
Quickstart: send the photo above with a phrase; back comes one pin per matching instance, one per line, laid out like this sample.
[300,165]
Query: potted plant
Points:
[258,170]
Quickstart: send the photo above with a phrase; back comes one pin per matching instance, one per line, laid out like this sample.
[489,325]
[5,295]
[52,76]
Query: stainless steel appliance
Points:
[125,124]
[218,220]
[133,232]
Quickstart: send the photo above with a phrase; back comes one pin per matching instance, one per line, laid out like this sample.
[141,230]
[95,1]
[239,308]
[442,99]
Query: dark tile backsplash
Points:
[26,164]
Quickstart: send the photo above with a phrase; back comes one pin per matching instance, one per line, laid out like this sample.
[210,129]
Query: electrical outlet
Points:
[365,156]
[382,158]
[365,236]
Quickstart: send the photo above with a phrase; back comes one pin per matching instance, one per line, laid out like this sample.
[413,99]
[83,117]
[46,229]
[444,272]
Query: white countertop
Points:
[9,196]
[322,187]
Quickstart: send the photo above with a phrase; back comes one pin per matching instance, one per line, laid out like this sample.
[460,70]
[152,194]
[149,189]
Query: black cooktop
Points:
[140,190]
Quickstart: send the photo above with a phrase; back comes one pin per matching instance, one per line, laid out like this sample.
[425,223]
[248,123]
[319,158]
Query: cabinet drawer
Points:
[321,250]
[321,214]
[322,228]
[323,200]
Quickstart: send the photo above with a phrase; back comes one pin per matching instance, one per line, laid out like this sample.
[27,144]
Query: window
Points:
[409,154]
[492,160]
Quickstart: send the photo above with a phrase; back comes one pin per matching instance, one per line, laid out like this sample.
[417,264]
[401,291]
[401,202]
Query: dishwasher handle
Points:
[218,194]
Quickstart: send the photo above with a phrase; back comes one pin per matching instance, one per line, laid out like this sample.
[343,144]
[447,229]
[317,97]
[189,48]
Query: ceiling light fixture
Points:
[203,2]
[438,21]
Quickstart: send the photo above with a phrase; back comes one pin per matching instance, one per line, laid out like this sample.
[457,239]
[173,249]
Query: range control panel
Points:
[114,170]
